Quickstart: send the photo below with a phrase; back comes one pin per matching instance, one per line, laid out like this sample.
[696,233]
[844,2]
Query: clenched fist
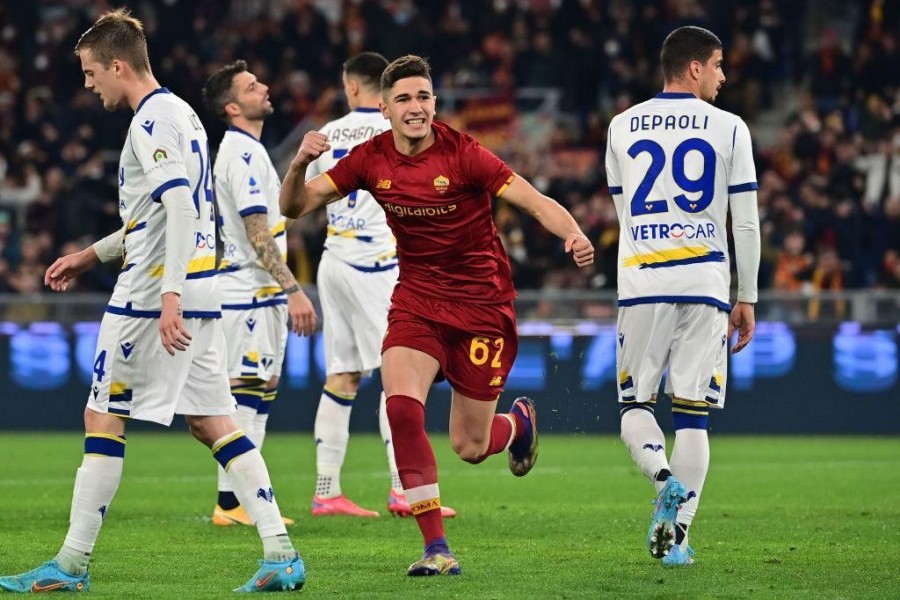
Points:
[313,145]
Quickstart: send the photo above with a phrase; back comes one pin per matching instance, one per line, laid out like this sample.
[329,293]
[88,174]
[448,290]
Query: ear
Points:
[694,69]
[117,67]
[232,110]
[353,86]
[384,109]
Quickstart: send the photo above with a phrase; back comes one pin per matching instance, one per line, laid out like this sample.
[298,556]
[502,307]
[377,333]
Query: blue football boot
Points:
[274,576]
[678,556]
[48,577]
[661,536]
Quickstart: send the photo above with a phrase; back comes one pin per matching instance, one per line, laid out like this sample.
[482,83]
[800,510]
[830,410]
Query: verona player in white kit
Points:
[356,277]
[258,291]
[160,349]
[676,166]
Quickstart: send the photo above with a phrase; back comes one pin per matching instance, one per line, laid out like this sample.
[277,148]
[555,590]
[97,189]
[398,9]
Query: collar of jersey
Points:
[367,109]
[675,95]
[161,90]
[239,130]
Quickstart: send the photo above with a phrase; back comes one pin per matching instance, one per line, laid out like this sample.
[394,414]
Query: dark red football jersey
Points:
[438,205]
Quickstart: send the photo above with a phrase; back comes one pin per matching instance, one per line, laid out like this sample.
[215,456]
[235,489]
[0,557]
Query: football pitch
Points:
[782,517]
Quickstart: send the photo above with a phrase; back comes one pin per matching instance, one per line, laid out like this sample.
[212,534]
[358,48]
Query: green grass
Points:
[780,518]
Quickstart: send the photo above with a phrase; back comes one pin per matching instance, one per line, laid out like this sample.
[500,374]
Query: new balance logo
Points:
[267,495]
[496,381]
[127,349]
[251,323]
[148,126]
[246,156]
[654,447]
[383,184]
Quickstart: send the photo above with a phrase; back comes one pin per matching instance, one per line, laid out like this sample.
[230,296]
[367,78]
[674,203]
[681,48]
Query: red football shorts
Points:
[475,344]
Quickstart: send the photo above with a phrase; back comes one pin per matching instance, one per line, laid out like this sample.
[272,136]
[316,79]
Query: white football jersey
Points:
[246,184]
[673,164]
[166,147]
[358,233]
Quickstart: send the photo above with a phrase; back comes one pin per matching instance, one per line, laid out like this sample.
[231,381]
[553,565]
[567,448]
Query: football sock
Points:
[250,481]
[278,548]
[646,443]
[262,417]
[416,464]
[96,483]
[385,428]
[332,431]
[502,434]
[690,463]
[244,418]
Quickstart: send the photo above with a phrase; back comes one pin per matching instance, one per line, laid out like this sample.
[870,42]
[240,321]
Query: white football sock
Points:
[690,463]
[96,483]
[646,443]
[253,488]
[244,418]
[385,428]
[332,432]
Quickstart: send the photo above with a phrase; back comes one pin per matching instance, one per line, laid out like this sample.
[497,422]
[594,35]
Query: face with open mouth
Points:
[409,105]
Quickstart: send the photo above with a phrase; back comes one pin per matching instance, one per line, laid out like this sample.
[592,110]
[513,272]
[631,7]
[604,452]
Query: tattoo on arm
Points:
[257,226]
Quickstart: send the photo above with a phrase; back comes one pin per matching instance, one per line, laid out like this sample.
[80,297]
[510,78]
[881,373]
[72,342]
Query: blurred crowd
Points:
[829,179]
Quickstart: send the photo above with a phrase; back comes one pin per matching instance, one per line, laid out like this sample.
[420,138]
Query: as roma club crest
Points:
[441,184]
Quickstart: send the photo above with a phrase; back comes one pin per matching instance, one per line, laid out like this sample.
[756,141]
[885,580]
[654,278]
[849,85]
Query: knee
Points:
[198,429]
[469,449]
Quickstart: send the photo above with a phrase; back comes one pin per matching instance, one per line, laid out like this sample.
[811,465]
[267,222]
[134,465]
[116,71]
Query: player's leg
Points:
[121,350]
[207,405]
[644,334]
[397,503]
[248,394]
[478,365]
[96,482]
[272,345]
[332,434]
[407,375]
[697,382]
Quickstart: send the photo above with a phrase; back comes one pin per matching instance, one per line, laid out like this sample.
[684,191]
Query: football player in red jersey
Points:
[452,312]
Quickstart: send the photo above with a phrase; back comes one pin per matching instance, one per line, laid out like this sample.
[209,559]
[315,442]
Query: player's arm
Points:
[299,197]
[68,267]
[300,308]
[742,203]
[181,229]
[552,216]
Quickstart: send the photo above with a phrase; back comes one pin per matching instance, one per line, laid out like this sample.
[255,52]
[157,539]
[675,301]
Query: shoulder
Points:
[453,137]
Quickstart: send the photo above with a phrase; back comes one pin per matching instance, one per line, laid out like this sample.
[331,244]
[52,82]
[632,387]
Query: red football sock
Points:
[415,459]
[501,432]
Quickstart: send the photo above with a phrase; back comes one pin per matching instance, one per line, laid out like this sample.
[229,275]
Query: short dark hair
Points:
[367,67]
[404,67]
[217,89]
[117,35]
[685,45]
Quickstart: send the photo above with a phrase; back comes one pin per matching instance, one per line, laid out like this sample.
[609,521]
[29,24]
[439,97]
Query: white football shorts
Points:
[354,313]
[135,377]
[256,338]
[688,339]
